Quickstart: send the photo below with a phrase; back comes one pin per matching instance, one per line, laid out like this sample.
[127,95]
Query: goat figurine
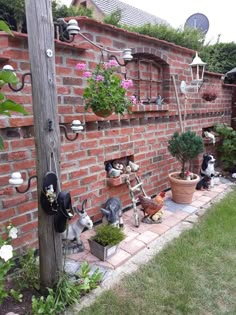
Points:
[75,229]
[113,212]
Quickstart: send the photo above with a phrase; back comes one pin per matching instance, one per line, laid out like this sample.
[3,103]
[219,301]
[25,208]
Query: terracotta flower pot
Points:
[103,113]
[182,190]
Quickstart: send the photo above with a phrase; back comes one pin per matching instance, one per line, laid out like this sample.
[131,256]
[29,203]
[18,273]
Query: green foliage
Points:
[220,57]
[190,38]
[113,18]
[6,106]
[14,14]
[185,147]
[67,291]
[108,235]
[59,10]
[27,274]
[228,146]
[17,295]
[48,305]
[6,261]
[87,280]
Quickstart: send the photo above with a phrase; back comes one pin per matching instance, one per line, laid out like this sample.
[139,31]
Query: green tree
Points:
[113,18]
[190,38]
[220,57]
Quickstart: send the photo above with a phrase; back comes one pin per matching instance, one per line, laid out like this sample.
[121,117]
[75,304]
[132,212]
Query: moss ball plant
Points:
[108,235]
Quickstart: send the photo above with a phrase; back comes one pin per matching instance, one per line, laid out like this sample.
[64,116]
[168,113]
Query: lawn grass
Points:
[194,275]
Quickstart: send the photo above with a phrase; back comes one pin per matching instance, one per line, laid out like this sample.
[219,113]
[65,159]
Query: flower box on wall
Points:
[117,181]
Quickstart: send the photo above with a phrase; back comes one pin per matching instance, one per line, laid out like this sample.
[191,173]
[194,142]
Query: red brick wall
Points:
[142,134]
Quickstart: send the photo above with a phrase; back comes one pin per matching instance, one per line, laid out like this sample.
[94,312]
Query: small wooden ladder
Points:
[132,190]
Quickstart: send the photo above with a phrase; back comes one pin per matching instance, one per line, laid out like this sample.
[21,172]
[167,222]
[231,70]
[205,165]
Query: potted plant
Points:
[105,243]
[105,92]
[209,95]
[184,147]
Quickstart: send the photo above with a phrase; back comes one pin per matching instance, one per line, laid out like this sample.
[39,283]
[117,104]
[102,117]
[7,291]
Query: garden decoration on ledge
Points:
[105,243]
[106,91]
[184,147]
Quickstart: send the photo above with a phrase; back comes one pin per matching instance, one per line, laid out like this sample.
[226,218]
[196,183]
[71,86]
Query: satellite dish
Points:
[197,21]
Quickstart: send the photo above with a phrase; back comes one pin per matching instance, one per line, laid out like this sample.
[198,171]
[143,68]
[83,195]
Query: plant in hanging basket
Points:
[105,92]
[209,95]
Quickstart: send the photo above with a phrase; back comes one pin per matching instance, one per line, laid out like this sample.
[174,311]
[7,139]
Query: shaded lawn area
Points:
[195,274]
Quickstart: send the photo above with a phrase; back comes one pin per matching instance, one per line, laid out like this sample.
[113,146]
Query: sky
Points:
[221,15]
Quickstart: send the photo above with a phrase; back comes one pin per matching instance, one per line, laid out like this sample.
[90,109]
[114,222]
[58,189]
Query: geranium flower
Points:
[87,74]
[80,66]
[6,252]
[106,91]
[99,78]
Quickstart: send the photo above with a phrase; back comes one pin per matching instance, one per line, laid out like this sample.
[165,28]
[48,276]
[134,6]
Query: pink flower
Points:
[80,66]
[126,84]
[112,63]
[87,74]
[133,99]
[99,78]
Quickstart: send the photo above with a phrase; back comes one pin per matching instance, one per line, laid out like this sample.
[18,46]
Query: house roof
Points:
[130,15]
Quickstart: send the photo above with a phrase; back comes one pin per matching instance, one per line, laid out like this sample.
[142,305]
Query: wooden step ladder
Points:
[132,190]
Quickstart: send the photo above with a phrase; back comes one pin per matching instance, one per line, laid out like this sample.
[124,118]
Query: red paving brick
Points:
[140,237]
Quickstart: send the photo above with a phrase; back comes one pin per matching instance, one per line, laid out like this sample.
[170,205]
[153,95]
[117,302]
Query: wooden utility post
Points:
[42,58]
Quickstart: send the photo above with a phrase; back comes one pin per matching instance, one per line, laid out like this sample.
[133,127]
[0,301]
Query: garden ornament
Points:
[75,229]
[65,211]
[134,167]
[211,136]
[204,183]
[208,167]
[48,196]
[111,171]
[113,212]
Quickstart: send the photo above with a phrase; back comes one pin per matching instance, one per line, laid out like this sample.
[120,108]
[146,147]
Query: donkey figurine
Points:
[75,229]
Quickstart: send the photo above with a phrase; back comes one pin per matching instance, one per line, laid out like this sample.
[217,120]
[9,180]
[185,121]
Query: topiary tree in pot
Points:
[184,147]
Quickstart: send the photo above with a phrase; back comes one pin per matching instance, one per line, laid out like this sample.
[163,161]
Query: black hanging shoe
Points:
[65,211]
[48,197]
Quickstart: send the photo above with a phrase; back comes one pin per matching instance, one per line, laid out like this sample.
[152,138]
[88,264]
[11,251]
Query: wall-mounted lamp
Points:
[16,180]
[197,68]
[64,31]
[127,56]
[10,68]
[76,127]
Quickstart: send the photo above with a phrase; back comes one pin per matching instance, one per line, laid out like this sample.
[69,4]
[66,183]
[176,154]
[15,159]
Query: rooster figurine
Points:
[152,208]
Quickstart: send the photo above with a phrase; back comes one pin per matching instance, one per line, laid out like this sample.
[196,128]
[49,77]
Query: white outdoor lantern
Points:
[197,67]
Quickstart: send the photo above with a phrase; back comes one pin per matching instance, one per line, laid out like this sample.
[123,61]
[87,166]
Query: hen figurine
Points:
[152,208]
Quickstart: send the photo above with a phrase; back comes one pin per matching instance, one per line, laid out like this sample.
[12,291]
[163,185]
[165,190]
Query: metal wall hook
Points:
[16,180]
[127,57]
[76,127]
[64,31]
[22,83]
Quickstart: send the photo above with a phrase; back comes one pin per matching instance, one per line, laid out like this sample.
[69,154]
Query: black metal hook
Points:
[66,134]
[28,186]
[22,82]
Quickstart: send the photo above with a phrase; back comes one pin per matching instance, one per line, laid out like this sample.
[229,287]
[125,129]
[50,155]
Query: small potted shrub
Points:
[105,243]
[184,147]
[106,91]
